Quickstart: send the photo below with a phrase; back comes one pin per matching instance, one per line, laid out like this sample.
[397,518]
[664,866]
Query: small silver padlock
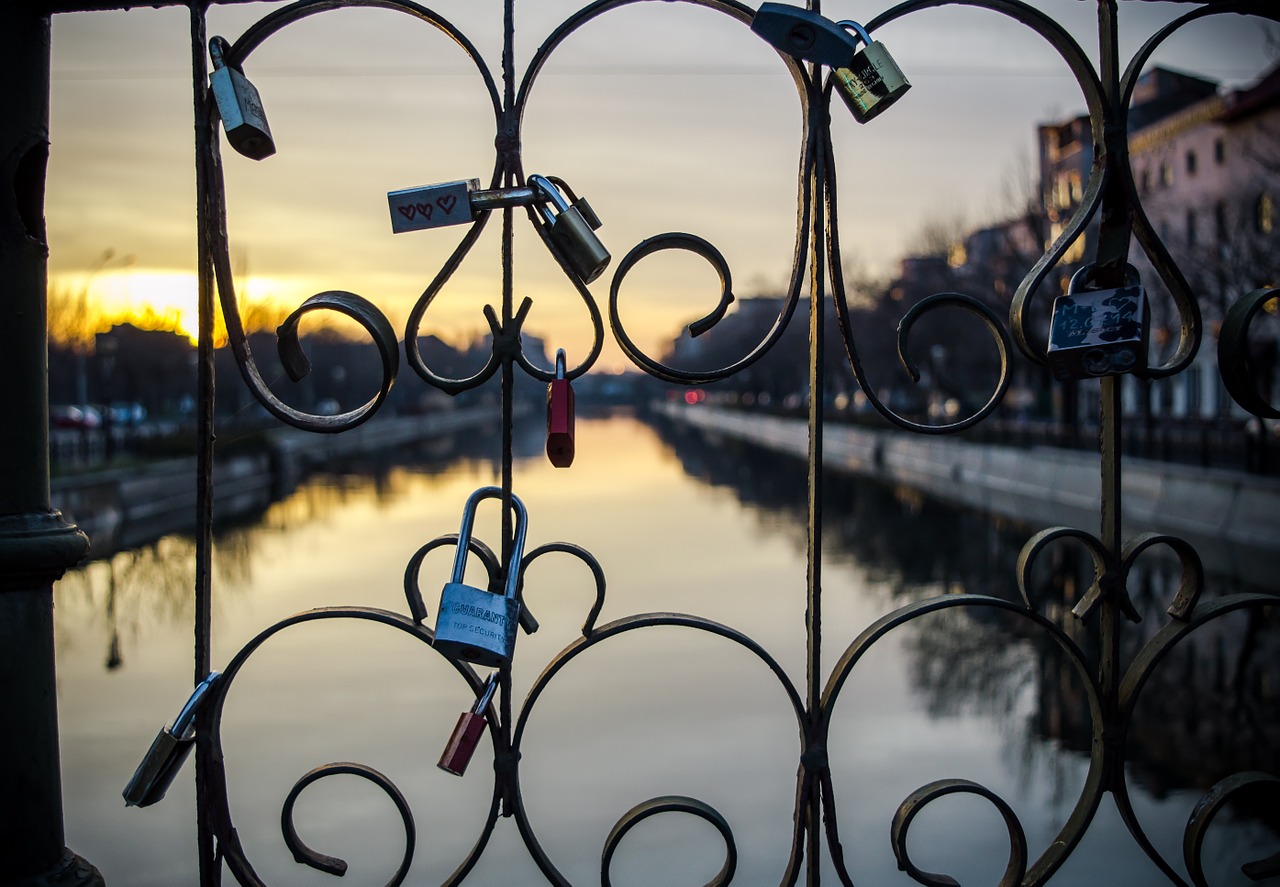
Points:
[239,106]
[872,80]
[572,227]
[472,624]
[1098,333]
[432,206]
[168,751]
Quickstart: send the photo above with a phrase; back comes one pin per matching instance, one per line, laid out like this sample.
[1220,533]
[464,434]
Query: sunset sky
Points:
[667,117]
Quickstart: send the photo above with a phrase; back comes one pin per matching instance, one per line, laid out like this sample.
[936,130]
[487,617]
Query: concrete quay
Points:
[1232,518]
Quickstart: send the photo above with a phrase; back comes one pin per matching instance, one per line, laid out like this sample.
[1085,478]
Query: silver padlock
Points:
[472,624]
[432,206]
[872,80]
[168,751]
[571,227]
[1098,333]
[239,105]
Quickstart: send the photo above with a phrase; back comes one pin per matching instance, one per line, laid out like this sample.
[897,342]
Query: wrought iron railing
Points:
[1112,682]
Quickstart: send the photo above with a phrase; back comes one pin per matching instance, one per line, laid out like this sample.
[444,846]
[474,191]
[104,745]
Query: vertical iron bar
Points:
[36,544]
[210,870]
[1112,255]
[509,153]
[820,122]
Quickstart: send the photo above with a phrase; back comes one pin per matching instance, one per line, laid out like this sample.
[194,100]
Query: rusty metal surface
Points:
[1111,686]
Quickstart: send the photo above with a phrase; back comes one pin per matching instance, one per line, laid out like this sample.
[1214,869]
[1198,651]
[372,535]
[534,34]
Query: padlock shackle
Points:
[562,362]
[185,720]
[482,701]
[218,49]
[548,191]
[863,34]
[464,537]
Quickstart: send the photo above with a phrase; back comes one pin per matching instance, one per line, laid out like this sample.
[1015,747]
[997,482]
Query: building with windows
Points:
[1206,165]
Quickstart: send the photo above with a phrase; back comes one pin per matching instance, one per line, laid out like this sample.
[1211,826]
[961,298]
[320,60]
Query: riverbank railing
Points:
[35,547]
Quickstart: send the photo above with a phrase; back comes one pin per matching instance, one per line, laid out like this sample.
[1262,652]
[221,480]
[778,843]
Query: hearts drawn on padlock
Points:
[446,203]
[407,211]
[425,210]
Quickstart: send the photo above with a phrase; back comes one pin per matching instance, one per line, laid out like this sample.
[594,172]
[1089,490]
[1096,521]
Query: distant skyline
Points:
[668,117]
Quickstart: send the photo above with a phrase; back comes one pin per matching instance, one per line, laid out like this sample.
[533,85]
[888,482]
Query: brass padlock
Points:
[476,625]
[1098,333]
[168,751]
[432,206]
[872,80]
[239,105]
[572,228]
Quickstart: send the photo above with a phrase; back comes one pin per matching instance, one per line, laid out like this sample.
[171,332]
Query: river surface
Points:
[678,523]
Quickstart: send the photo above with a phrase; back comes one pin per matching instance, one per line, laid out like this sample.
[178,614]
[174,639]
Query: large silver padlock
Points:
[572,227]
[872,80]
[1098,333]
[432,206]
[239,105]
[168,751]
[476,625]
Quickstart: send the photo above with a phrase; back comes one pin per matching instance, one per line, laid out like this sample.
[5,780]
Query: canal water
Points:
[679,523]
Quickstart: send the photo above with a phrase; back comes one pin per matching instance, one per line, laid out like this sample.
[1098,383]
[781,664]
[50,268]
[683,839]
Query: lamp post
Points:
[36,544]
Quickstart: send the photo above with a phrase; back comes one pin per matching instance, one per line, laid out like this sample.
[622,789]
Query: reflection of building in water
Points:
[1208,710]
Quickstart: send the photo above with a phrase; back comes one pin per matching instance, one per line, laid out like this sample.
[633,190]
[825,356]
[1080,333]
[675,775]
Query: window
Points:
[1220,221]
[1191,227]
[1219,152]
[1191,163]
[1166,174]
[1266,214]
[1144,182]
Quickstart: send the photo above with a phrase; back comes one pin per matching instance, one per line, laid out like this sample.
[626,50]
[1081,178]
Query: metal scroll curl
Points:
[692,243]
[698,246]
[688,805]
[960,301]
[1209,807]
[219,802]
[1095,784]
[360,309]
[332,865]
[922,796]
[1135,678]
[1188,308]
[1234,360]
[672,804]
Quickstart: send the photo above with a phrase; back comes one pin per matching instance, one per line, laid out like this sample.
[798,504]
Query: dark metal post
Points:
[36,544]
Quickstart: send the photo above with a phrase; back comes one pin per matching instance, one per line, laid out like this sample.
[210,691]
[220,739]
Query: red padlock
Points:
[560,416]
[466,734]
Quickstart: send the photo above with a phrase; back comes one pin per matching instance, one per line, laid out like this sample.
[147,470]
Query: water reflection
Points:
[1210,709]
[678,523]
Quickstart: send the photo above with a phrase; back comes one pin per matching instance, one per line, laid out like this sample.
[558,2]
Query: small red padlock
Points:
[466,734]
[560,416]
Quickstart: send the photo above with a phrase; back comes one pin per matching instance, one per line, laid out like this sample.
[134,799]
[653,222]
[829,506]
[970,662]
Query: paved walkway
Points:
[1231,517]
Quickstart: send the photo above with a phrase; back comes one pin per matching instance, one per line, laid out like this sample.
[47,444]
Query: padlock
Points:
[239,106]
[475,625]
[466,734]
[168,752]
[572,228]
[872,81]
[1098,333]
[804,34]
[432,206]
[560,416]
